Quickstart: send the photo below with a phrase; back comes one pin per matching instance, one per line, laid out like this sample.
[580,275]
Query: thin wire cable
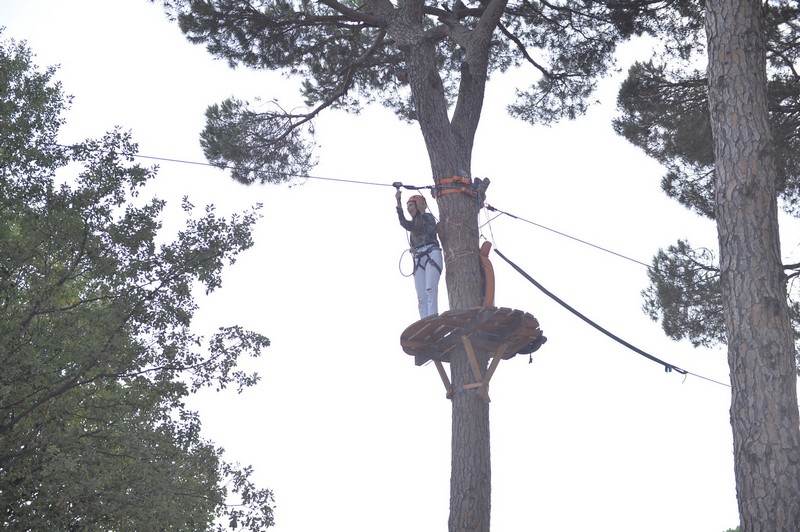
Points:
[339,180]
[489,223]
[167,159]
[400,264]
[489,220]
[397,185]
[412,187]
[301,176]
[667,366]
[489,207]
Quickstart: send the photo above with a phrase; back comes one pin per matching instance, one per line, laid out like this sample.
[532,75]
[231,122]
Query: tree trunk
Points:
[764,410]
[470,481]
[449,146]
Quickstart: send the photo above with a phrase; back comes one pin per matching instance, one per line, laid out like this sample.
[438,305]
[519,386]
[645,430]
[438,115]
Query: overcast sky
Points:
[343,427]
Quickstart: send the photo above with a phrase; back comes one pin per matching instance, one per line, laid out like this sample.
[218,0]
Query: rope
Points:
[400,264]
[667,366]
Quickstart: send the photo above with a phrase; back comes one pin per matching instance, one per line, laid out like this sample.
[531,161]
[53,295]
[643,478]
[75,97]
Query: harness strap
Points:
[425,254]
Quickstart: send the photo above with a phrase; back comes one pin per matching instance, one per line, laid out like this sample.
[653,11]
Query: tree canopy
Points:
[663,104]
[96,344]
[351,54]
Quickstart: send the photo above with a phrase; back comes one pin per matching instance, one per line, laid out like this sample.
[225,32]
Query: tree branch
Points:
[347,74]
[382,8]
[521,47]
[354,14]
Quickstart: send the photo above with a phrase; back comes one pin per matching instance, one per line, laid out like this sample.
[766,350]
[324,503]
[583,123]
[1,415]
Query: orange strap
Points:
[454,179]
[456,183]
[441,192]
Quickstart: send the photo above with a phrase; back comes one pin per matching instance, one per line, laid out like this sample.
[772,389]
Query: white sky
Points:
[343,427]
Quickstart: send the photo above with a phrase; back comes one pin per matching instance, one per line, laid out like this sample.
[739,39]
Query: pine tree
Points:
[728,137]
[429,62]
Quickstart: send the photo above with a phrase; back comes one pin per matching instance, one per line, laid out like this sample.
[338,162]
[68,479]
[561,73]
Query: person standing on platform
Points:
[426,251]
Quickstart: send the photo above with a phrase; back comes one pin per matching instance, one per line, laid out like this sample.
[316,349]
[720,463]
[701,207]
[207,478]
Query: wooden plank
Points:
[445,380]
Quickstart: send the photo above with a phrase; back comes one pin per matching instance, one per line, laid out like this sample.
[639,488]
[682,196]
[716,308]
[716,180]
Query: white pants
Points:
[426,281]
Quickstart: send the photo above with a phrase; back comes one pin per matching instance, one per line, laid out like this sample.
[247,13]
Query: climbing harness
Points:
[421,255]
[424,253]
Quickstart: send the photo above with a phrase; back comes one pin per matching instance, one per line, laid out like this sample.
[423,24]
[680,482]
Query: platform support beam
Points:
[480,384]
[445,380]
[498,356]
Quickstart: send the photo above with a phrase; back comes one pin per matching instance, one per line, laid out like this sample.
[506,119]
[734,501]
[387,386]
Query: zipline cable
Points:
[490,208]
[667,366]
[396,184]
[301,176]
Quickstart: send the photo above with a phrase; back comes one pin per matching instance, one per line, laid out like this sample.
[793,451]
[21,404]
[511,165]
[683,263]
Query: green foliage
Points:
[664,106]
[670,122]
[95,340]
[685,295]
[257,147]
[578,41]
[350,54]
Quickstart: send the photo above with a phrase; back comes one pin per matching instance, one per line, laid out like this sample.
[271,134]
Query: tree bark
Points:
[764,409]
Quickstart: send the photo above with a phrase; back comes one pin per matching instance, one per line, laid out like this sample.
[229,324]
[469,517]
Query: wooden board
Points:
[488,328]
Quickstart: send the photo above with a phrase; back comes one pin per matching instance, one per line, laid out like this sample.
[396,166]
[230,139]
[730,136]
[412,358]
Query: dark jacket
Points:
[422,228]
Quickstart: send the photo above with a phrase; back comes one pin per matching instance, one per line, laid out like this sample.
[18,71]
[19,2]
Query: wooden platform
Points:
[502,332]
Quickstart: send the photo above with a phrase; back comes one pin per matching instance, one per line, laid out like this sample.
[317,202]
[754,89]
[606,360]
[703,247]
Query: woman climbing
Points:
[425,250]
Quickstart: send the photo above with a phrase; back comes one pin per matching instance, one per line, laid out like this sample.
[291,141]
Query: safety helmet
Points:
[419,201]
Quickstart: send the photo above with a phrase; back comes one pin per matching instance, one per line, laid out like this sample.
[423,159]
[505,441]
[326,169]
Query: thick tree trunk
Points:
[764,410]
[470,480]
[449,149]
[449,144]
